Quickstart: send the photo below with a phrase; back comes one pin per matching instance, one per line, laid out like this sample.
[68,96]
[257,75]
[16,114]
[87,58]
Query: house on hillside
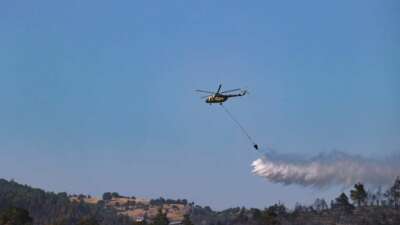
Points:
[140,216]
[139,219]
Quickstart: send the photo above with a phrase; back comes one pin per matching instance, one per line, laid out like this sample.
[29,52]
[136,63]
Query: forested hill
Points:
[358,207]
[47,208]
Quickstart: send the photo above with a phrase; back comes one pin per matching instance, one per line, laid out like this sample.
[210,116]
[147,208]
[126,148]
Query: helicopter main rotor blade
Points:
[237,89]
[209,92]
[203,97]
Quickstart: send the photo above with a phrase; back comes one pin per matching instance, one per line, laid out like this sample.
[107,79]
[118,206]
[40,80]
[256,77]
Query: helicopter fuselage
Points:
[216,99]
[220,98]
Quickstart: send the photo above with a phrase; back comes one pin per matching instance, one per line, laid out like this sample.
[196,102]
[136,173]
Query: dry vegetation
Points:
[137,208]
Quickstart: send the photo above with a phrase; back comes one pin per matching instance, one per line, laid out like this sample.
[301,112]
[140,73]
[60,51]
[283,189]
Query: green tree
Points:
[107,196]
[320,205]
[88,221]
[241,217]
[393,194]
[342,204]
[358,194]
[115,195]
[186,220]
[15,216]
[161,218]
[270,216]
[255,214]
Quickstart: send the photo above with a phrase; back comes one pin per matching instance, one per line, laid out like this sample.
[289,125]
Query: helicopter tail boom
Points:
[243,93]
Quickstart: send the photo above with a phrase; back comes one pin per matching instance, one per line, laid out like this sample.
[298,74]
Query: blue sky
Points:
[98,96]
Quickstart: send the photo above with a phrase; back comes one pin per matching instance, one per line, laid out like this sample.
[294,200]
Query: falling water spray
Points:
[324,170]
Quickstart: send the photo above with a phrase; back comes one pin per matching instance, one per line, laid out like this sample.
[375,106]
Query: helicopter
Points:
[221,96]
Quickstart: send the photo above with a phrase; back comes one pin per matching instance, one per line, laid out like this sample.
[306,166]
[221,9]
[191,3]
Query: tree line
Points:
[24,205]
[48,208]
[358,207]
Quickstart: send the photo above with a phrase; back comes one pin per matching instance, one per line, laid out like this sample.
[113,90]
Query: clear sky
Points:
[97,96]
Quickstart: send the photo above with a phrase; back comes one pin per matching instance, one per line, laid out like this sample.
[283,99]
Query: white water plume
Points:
[324,170]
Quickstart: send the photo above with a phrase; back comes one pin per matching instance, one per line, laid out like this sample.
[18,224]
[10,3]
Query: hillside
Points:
[48,208]
[139,209]
[360,207]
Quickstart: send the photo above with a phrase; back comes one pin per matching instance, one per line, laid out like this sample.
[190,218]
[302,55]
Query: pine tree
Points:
[320,205]
[270,216]
[342,204]
[358,195]
[393,194]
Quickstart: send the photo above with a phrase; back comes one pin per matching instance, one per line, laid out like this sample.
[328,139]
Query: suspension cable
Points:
[241,127]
